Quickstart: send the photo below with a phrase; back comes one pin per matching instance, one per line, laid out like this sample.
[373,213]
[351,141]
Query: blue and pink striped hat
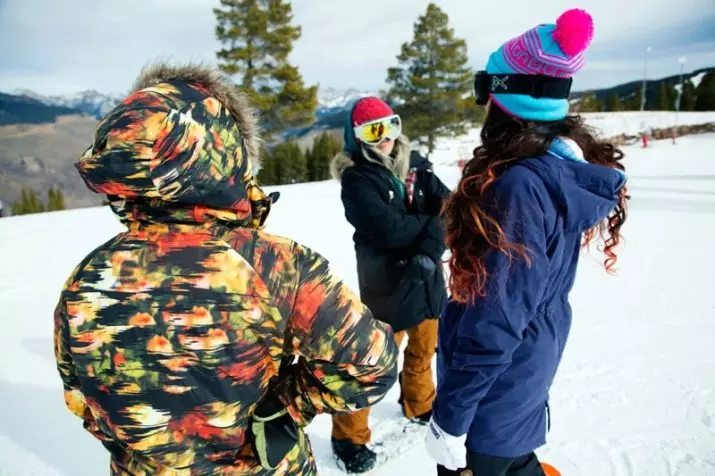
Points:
[556,50]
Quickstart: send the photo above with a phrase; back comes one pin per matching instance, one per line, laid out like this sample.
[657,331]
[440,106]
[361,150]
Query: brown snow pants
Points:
[418,391]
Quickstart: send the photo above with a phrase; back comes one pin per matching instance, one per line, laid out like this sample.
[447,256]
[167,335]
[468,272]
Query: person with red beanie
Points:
[393,200]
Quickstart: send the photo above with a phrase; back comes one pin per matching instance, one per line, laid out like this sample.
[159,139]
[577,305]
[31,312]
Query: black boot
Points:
[352,458]
[419,419]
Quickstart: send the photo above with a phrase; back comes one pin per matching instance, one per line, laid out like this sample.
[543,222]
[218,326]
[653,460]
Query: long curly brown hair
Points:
[472,232]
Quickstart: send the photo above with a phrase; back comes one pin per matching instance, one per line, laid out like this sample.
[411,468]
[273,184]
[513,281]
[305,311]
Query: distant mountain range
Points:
[89,103]
[627,90]
[26,110]
[28,107]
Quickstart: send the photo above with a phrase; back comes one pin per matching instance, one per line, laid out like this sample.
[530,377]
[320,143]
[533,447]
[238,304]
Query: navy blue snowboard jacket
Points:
[497,358]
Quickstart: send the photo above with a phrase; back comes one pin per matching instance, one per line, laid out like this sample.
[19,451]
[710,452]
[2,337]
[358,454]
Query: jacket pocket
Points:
[380,274]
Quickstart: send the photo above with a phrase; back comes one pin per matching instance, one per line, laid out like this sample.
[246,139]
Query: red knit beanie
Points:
[370,109]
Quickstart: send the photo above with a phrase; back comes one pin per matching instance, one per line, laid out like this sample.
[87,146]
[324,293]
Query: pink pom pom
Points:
[574,31]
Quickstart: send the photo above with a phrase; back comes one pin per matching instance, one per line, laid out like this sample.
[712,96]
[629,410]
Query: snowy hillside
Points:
[697,79]
[635,395]
[608,124]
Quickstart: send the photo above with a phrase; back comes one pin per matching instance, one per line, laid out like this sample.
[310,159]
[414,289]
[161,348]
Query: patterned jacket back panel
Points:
[173,338]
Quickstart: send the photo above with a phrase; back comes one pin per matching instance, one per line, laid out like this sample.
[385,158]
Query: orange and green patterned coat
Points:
[169,335]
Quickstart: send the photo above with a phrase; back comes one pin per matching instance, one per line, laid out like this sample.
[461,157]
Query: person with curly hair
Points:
[539,187]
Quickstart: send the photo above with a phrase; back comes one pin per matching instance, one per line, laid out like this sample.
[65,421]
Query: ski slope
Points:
[607,124]
[635,395]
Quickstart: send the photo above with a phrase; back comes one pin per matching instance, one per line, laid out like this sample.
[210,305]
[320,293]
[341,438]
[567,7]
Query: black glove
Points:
[275,434]
[426,263]
[420,268]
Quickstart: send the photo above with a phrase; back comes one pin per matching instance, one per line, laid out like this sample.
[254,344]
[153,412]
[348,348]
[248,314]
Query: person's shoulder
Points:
[520,180]
[258,241]
[266,250]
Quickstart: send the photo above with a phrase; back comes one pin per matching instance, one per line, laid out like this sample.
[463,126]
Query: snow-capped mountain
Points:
[94,103]
[334,98]
[91,103]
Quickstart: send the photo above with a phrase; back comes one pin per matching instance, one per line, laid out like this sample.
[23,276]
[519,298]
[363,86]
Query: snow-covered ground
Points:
[635,395]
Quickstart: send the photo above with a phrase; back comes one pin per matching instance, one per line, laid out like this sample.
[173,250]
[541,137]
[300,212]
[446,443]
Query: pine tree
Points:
[311,163]
[667,96]
[663,97]
[55,199]
[267,173]
[687,100]
[298,166]
[432,80]
[258,37]
[289,163]
[325,146]
[470,112]
[589,103]
[294,105]
[28,203]
[705,93]
[633,103]
[614,103]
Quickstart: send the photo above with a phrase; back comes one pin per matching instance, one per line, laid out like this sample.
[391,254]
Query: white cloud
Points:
[61,47]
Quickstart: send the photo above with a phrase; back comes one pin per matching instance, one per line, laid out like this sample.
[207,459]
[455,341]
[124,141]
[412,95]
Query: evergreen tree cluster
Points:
[701,98]
[287,163]
[30,203]
[705,94]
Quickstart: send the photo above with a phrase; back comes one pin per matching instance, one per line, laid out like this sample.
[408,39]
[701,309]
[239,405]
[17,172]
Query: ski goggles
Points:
[537,86]
[375,132]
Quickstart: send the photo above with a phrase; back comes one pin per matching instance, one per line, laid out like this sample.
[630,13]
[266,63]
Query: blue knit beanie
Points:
[556,50]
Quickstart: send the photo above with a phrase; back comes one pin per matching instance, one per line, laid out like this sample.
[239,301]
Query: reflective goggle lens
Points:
[377,131]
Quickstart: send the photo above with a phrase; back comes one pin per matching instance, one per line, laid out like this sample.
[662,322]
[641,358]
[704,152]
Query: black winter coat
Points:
[396,242]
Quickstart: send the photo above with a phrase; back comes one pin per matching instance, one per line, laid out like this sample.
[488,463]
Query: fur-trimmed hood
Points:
[181,147]
[219,86]
[398,164]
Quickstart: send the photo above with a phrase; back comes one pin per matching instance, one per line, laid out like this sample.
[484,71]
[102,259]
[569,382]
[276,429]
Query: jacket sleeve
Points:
[368,212]
[436,189]
[432,241]
[490,330]
[346,359]
[74,399]
[436,192]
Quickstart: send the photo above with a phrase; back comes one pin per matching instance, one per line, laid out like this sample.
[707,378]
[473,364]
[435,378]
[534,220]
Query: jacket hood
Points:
[398,163]
[181,147]
[419,161]
[585,193]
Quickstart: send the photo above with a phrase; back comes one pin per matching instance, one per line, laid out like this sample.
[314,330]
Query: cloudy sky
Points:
[60,47]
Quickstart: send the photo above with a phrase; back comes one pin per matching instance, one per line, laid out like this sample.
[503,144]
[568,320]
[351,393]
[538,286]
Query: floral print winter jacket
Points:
[169,335]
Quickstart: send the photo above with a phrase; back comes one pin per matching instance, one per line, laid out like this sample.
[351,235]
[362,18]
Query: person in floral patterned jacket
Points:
[195,343]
